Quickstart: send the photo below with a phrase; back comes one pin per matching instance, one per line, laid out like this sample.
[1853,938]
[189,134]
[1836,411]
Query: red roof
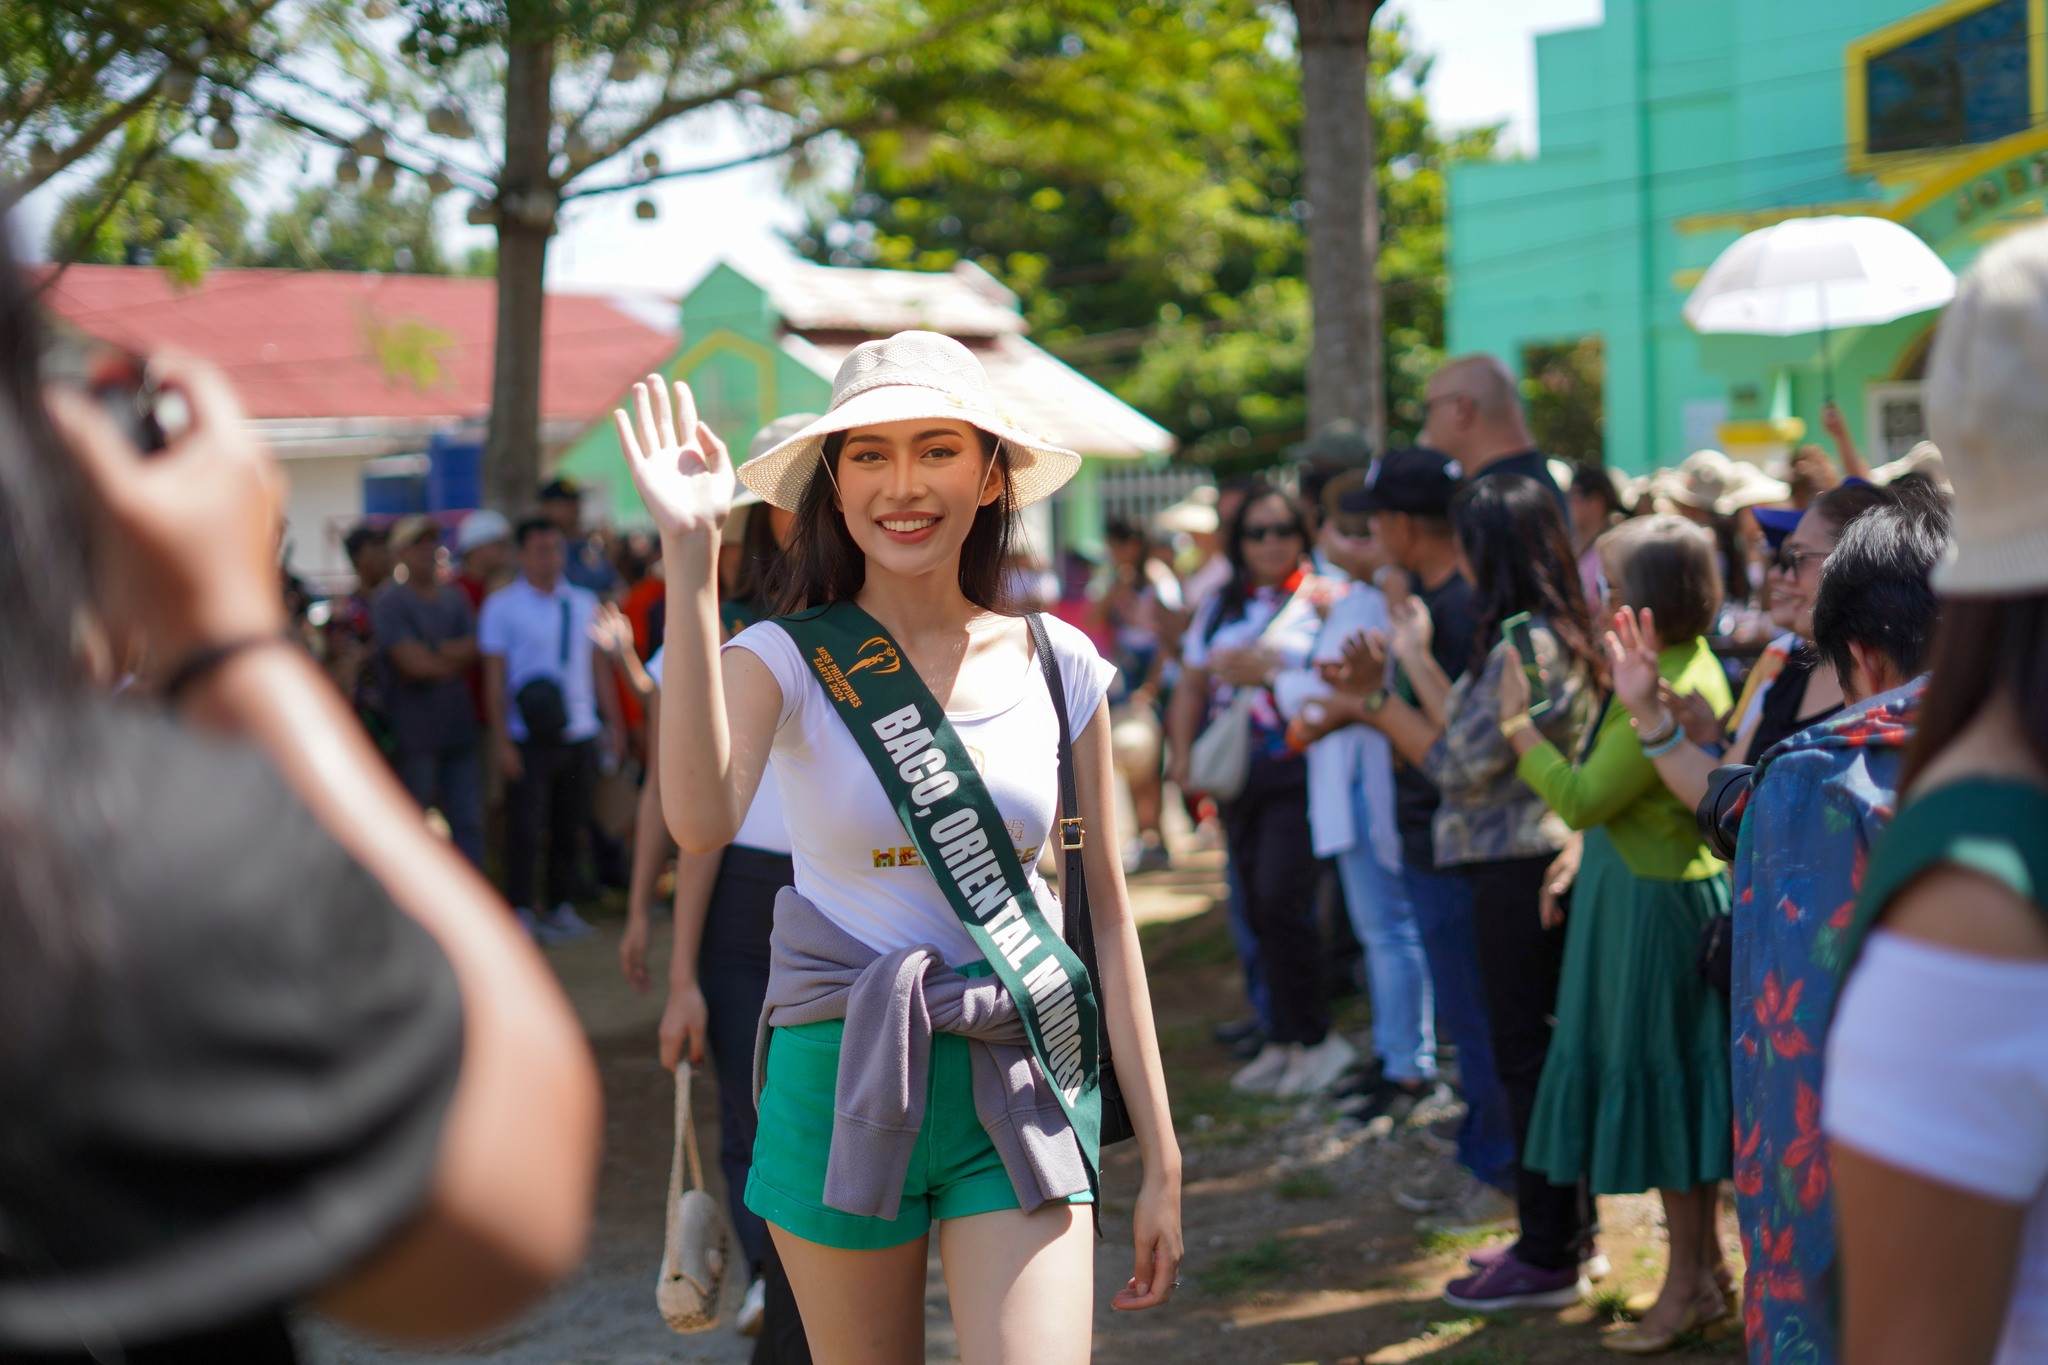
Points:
[305,343]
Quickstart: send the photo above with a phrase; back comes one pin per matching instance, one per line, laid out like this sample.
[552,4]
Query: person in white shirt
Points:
[904,494]
[549,698]
[1351,816]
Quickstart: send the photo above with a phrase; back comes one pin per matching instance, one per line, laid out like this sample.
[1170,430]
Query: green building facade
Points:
[1675,126]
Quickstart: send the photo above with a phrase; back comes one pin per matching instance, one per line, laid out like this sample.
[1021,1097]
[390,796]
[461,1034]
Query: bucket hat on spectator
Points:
[1987,411]
[743,497]
[481,528]
[1709,481]
[908,377]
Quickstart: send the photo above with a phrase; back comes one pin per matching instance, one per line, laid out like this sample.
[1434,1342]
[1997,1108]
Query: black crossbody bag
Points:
[1078,926]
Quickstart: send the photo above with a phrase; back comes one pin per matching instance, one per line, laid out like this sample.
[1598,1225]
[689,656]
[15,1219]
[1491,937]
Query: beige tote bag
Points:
[698,1285]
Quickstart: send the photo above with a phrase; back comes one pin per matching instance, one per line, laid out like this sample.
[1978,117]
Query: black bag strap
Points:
[565,637]
[1073,834]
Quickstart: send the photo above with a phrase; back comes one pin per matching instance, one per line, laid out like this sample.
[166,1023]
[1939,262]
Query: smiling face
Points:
[909,492]
[1795,573]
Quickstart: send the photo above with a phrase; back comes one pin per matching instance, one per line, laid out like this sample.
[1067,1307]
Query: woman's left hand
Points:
[1155,1231]
[1248,667]
[1514,685]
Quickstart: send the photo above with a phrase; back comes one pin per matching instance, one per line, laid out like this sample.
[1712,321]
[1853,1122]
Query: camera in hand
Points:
[1720,811]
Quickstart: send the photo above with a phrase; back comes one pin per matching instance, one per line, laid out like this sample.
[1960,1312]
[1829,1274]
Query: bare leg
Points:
[1713,1258]
[859,1307]
[1688,1282]
[1022,1285]
[1148,795]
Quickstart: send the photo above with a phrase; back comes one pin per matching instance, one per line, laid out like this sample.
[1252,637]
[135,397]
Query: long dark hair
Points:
[821,563]
[758,553]
[1233,597]
[52,759]
[1984,645]
[1514,537]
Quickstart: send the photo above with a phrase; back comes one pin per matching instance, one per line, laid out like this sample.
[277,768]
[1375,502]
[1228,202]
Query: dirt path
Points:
[1296,1253]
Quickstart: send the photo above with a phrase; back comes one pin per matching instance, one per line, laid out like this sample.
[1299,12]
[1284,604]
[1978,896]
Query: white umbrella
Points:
[1814,274]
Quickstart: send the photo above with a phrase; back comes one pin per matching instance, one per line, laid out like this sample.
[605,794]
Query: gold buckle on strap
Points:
[1080,834]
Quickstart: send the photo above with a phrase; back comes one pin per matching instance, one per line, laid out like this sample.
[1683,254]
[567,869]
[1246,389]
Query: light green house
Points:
[761,342]
[1675,126]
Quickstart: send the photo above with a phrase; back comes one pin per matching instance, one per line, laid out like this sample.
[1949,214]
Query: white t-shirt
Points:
[763,827]
[1938,1065]
[853,858]
[528,629]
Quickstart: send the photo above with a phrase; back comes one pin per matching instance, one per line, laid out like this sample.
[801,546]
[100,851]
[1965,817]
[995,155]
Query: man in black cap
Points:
[1407,497]
[561,502]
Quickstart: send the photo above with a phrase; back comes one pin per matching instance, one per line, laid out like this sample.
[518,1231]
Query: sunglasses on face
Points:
[1278,530]
[1790,558]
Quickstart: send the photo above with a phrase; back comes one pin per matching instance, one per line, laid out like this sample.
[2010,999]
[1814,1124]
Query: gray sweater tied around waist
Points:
[892,1004]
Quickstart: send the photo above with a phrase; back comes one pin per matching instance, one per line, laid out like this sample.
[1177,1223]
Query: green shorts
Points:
[955,1170]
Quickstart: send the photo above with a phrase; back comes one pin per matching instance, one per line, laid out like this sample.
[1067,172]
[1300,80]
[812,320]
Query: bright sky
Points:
[1484,71]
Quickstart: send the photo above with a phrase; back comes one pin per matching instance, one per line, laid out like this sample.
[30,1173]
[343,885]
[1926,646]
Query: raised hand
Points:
[1513,697]
[679,464]
[1633,665]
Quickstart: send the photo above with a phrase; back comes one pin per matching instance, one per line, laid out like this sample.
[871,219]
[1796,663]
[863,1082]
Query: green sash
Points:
[948,813]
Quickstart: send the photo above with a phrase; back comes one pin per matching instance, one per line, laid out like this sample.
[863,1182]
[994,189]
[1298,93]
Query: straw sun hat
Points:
[1987,410]
[1711,482]
[909,377]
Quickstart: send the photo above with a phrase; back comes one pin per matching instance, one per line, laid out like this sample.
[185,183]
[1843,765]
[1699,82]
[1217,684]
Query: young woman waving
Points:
[933,1047]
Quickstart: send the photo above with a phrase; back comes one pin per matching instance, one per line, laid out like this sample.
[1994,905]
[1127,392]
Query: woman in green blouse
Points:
[1634,1093]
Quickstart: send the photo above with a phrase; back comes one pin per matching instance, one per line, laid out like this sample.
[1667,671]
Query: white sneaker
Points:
[1263,1072]
[1316,1069]
[1481,1208]
[752,1310]
[563,925]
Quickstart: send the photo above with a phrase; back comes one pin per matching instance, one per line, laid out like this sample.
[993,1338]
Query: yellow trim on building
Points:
[1761,432]
[1961,172]
[1748,220]
[1856,87]
[724,339]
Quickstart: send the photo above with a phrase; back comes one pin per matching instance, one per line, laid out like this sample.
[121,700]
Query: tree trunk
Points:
[527,201]
[1346,369]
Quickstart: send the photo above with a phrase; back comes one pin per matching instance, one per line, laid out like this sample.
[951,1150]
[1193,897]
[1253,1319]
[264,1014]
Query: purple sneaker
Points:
[1596,1264]
[1513,1283]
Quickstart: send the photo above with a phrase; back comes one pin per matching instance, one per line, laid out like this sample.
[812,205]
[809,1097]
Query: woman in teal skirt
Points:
[1634,1093]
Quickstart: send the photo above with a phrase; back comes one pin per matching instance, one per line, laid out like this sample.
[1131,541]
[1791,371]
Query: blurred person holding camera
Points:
[1935,1100]
[263,1037]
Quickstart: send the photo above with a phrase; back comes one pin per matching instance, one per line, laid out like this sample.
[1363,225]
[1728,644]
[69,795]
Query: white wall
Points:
[325,499]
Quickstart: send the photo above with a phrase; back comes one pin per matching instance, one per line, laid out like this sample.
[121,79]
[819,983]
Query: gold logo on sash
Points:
[883,660]
[835,681]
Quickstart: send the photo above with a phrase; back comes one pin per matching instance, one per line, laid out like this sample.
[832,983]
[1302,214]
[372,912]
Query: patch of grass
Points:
[1203,941]
[1447,1243]
[1240,1272]
[1305,1185]
[1609,1302]
[1214,1115]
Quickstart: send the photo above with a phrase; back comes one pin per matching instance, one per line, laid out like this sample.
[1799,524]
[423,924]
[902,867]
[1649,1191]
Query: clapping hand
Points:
[1693,714]
[1251,666]
[1413,630]
[678,463]
[1633,664]
[1364,668]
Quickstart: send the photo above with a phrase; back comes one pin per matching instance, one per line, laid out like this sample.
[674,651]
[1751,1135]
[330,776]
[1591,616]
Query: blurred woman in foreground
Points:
[263,1037]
